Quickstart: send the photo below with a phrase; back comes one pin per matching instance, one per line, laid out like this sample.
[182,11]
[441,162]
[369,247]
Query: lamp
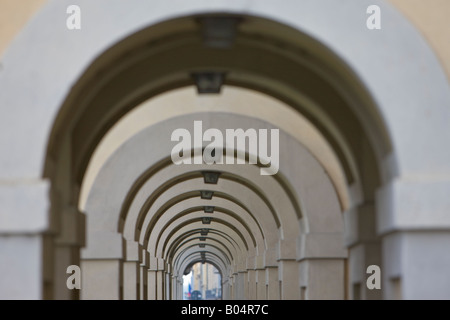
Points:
[208,81]
[210,177]
[206,220]
[208,209]
[206,194]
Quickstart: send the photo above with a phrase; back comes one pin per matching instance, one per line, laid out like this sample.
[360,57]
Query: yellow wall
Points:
[14,14]
[431,17]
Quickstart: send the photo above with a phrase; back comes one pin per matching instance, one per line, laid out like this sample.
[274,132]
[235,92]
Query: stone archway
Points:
[267,230]
[52,144]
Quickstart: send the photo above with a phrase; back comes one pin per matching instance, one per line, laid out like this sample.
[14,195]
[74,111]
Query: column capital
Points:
[360,224]
[321,245]
[270,258]
[133,251]
[103,245]
[73,226]
[286,249]
[413,203]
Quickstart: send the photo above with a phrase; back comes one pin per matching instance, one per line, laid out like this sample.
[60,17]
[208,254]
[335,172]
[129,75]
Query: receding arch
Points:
[353,71]
[192,224]
[312,176]
[198,213]
[188,175]
[195,195]
[193,241]
[211,259]
[144,138]
[291,121]
[181,259]
[226,260]
[233,245]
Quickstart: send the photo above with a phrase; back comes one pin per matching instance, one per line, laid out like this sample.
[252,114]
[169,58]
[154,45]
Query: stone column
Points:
[131,280]
[66,251]
[245,284]
[272,283]
[167,285]
[226,288]
[270,264]
[322,279]
[173,288]
[235,294]
[288,270]
[102,267]
[231,287]
[414,223]
[322,258]
[288,277]
[157,274]
[260,278]
[251,276]
[160,285]
[151,278]
[178,288]
[65,255]
[131,271]
[22,276]
[251,284]
[144,291]
[364,248]
[151,273]
[101,279]
[240,285]
[24,219]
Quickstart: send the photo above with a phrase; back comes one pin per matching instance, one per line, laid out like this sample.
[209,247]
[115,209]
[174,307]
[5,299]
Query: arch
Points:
[170,219]
[220,216]
[56,139]
[363,65]
[211,240]
[244,237]
[111,174]
[231,244]
[224,206]
[212,261]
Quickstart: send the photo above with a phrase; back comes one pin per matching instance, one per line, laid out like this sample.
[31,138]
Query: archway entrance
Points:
[337,86]
[203,282]
[309,85]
